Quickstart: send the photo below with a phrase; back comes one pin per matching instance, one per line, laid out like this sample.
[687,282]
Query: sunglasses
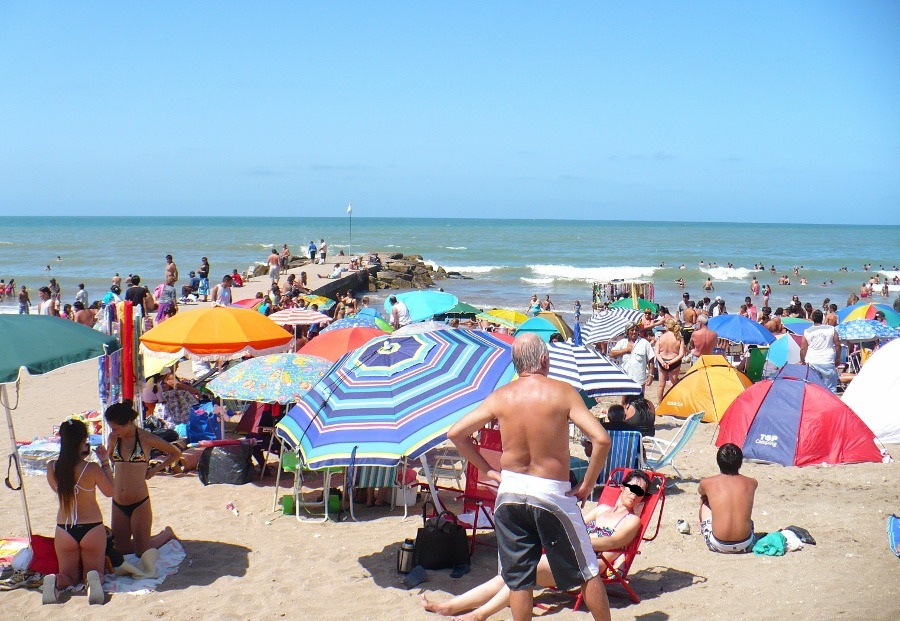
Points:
[637,490]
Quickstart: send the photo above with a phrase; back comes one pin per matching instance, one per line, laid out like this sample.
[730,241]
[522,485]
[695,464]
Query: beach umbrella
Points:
[539,326]
[867,310]
[216,333]
[368,311]
[461,311]
[638,303]
[858,330]
[503,317]
[251,303]
[39,344]
[276,378]
[357,321]
[319,300]
[556,319]
[740,329]
[299,317]
[785,349]
[395,397]
[589,371]
[334,344]
[420,327]
[795,325]
[607,325]
[424,305]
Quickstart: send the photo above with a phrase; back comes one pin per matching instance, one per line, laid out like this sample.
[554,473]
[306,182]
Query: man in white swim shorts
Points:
[728,497]
[536,508]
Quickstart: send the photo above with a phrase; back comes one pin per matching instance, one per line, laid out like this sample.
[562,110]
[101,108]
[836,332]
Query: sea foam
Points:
[591,274]
[727,273]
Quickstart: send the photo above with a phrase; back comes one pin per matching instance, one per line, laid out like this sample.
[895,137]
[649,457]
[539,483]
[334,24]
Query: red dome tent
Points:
[793,420]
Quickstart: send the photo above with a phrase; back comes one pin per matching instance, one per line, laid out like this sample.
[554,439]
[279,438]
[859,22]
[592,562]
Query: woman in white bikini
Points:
[610,528]
[80,540]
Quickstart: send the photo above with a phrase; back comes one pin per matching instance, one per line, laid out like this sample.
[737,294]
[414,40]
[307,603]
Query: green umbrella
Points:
[40,343]
[641,304]
[461,310]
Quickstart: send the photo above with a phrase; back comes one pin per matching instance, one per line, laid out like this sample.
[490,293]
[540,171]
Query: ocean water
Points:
[503,261]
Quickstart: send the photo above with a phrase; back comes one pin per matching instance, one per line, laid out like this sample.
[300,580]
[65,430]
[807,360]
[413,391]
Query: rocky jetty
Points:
[405,271]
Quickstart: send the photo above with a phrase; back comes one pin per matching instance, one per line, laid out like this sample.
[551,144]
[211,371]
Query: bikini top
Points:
[604,531]
[78,488]
[137,452]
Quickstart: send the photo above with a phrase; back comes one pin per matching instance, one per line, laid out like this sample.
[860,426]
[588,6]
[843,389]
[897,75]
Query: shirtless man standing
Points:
[274,263]
[535,505]
[728,497]
[703,340]
[171,269]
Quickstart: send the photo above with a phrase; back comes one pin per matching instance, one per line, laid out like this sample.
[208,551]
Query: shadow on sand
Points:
[206,562]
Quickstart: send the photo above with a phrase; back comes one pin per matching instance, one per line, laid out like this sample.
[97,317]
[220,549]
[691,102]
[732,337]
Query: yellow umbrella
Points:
[504,317]
[216,333]
[156,364]
[558,322]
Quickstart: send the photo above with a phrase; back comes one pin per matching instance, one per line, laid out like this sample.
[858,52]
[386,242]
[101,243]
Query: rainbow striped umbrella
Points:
[395,397]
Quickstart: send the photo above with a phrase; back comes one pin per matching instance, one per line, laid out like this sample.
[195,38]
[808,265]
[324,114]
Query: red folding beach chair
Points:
[616,572]
[480,496]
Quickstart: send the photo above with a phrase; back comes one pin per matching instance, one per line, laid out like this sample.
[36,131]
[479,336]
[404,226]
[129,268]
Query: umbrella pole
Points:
[4,396]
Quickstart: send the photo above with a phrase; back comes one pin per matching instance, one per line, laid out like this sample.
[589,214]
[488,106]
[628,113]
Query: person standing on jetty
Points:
[274,263]
[536,506]
[312,251]
[323,251]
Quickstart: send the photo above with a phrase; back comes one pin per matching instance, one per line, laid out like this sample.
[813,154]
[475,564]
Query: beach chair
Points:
[625,452]
[617,571]
[480,496]
[371,476]
[660,453]
[291,461]
[448,464]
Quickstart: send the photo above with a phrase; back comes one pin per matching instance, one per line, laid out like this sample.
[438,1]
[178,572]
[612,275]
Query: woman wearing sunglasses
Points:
[611,528]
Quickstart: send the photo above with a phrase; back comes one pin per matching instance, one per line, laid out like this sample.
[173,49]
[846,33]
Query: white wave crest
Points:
[592,274]
[472,269]
[537,281]
[456,247]
[727,273]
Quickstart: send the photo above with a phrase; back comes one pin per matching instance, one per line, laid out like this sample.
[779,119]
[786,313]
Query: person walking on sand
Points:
[703,340]
[274,263]
[726,505]
[536,507]
[323,251]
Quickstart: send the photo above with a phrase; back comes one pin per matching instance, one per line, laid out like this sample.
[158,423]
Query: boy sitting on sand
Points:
[729,497]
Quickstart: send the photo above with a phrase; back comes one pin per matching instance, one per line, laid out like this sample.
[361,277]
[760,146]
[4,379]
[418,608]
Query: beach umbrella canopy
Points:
[793,421]
[461,311]
[216,333]
[299,317]
[276,378]
[424,305]
[589,371]
[334,344]
[420,327]
[740,329]
[556,319]
[539,326]
[503,317]
[867,310]
[875,393]
[609,324]
[319,300]
[395,397]
[795,325]
[634,303]
[251,303]
[40,344]
[857,330]
[785,349]
[357,321]
[368,311]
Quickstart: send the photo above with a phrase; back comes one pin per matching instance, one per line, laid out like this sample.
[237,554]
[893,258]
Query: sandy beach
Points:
[262,565]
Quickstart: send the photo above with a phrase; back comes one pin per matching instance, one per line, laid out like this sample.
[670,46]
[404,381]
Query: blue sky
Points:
[710,111]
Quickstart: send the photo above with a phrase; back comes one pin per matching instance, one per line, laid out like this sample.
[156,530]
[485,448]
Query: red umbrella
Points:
[335,343]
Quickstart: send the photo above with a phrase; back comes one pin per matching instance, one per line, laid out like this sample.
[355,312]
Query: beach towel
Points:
[170,557]
[770,545]
[893,530]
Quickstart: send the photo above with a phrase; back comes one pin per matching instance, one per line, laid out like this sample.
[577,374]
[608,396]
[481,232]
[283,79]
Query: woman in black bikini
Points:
[129,450]
[80,536]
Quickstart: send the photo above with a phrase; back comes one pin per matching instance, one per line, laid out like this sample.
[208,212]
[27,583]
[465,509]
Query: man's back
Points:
[703,341]
[730,498]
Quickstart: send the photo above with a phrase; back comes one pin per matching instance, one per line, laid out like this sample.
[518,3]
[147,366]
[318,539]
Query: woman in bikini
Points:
[80,540]
[129,450]
[610,528]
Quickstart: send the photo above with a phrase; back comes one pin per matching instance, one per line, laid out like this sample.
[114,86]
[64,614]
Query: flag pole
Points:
[350,213]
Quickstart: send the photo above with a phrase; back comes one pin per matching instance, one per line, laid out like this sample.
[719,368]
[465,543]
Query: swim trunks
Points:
[726,547]
[532,514]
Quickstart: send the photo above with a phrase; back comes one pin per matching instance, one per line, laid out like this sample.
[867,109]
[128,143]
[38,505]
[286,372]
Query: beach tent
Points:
[556,319]
[793,421]
[539,326]
[875,393]
[710,386]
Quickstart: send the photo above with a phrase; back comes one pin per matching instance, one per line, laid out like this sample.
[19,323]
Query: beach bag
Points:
[203,424]
[225,464]
[441,543]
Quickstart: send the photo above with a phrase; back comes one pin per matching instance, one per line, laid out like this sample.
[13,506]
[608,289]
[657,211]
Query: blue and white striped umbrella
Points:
[609,324]
[395,397]
[588,370]
[865,330]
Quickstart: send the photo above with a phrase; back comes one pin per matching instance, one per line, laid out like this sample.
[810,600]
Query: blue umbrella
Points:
[395,397]
[424,305]
[740,329]
[865,330]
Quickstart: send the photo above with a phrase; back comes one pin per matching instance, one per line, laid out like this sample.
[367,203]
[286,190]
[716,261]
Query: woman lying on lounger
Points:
[610,528]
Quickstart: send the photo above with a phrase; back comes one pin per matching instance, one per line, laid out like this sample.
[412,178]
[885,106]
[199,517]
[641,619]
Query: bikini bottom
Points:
[78,531]
[129,509]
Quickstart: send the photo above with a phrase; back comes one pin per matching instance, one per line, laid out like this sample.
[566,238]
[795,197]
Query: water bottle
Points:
[406,556]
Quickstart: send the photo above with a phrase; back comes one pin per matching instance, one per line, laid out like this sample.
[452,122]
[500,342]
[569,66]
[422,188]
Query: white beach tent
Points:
[875,393]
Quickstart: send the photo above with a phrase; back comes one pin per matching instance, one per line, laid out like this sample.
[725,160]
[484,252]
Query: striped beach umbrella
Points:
[588,370]
[609,324]
[867,310]
[299,317]
[357,321]
[395,397]
[420,327]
